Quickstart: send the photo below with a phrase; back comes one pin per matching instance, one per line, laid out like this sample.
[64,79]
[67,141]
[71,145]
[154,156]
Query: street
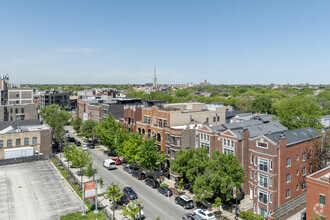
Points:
[155,204]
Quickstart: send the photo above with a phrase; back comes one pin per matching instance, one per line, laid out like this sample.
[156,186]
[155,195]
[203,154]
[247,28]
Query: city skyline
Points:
[109,42]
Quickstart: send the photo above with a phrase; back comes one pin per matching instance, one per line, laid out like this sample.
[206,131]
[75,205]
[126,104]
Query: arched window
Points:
[159,137]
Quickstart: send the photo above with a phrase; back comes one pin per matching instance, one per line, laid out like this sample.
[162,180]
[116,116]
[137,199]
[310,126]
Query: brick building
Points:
[156,118]
[18,112]
[132,114]
[50,97]
[318,194]
[20,96]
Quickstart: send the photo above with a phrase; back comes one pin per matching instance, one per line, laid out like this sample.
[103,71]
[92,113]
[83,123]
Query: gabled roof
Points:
[263,118]
[295,136]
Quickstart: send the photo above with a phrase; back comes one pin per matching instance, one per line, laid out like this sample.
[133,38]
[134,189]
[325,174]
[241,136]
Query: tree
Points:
[88,129]
[299,112]
[90,171]
[130,147]
[262,104]
[202,188]
[149,155]
[79,158]
[318,155]
[56,119]
[76,124]
[132,210]
[114,193]
[217,203]
[106,131]
[244,104]
[190,163]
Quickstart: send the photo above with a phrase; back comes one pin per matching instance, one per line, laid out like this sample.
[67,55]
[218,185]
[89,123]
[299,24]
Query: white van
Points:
[109,164]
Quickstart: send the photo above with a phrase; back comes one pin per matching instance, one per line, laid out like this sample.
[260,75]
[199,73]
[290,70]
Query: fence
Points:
[25,159]
[90,201]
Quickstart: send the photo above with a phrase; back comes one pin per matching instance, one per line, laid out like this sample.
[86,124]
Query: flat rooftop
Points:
[35,190]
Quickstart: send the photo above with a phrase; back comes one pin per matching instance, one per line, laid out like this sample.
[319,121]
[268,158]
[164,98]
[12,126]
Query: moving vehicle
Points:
[130,193]
[165,191]
[152,182]
[123,200]
[185,201]
[109,164]
[139,175]
[205,214]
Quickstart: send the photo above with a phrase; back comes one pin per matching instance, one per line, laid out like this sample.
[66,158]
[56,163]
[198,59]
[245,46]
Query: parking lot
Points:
[35,190]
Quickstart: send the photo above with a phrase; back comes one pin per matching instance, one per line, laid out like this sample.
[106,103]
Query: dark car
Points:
[123,200]
[152,182]
[128,169]
[71,139]
[187,216]
[130,193]
[185,201]
[90,146]
[139,175]
[165,191]
[78,143]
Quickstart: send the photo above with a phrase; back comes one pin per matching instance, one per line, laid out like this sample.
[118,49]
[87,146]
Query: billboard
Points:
[90,190]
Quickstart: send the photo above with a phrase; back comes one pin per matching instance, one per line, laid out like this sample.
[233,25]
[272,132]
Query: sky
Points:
[121,41]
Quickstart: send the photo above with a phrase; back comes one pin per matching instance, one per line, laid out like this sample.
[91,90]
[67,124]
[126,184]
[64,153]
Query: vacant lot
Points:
[35,191]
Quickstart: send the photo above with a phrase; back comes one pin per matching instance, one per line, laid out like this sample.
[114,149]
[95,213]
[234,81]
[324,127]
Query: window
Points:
[206,146]
[270,181]
[255,176]
[251,159]
[232,143]
[11,110]
[160,122]
[297,172]
[224,141]
[288,178]
[145,119]
[288,162]
[16,110]
[304,156]
[227,151]
[34,140]
[263,165]
[255,192]
[270,198]
[218,118]
[26,141]
[173,140]
[1,144]
[207,120]
[262,144]
[297,157]
[22,110]
[178,141]
[310,168]
[297,187]
[255,209]
[322,200]
[149,120]
[214,119]
[287,193]
[271,165]
[17,95]
[303,185]
[9,143]
[18,142]
[164,123]
[304,171]
[263,197]
[255,160]
[168,138]
[251,174]
[263,181]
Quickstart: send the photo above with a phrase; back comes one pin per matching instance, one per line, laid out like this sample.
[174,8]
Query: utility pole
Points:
[96,210]
[113,200]
[139,211]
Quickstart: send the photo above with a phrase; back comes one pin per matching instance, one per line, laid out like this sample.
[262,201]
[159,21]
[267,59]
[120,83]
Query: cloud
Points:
[77,50]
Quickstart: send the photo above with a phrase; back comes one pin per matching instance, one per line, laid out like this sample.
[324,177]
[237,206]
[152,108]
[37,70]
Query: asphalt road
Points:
[155,204]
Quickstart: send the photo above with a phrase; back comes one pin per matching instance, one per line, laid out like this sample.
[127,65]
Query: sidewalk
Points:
[104,203]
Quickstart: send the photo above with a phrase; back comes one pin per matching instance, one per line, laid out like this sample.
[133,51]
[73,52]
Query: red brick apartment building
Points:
[318,194]
[132,114]
[95,112]
[274,160]
[156,118]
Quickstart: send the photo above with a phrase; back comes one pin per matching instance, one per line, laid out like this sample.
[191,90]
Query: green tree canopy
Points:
[149,154]
[88,129]
[244,104]
[106,131]
[299,112]
[76,124]
[262,104]
[132,209]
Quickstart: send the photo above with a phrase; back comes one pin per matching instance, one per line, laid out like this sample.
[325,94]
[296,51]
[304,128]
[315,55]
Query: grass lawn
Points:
[77,215]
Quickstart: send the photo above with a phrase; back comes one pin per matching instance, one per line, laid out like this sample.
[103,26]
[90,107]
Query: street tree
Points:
[130,147]
[299,112]
[132,210]
[262,104]
[114,193]
[76,124]
[90,171]
[190,163]
[80,158]
[56,119]
[149,155]
[88,129]
[106,131]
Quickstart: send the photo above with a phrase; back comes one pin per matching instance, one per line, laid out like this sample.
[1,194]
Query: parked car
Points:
[185,201]
[196,217]
[91,146]
[117,160]
[139,175]
[128,169]
[130,193]
[187,216]
[71,139]
[205,214]
[84,147]
[152,182]
[78,143]
[109,164]
[137,216]
[165,191]
[123,200]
